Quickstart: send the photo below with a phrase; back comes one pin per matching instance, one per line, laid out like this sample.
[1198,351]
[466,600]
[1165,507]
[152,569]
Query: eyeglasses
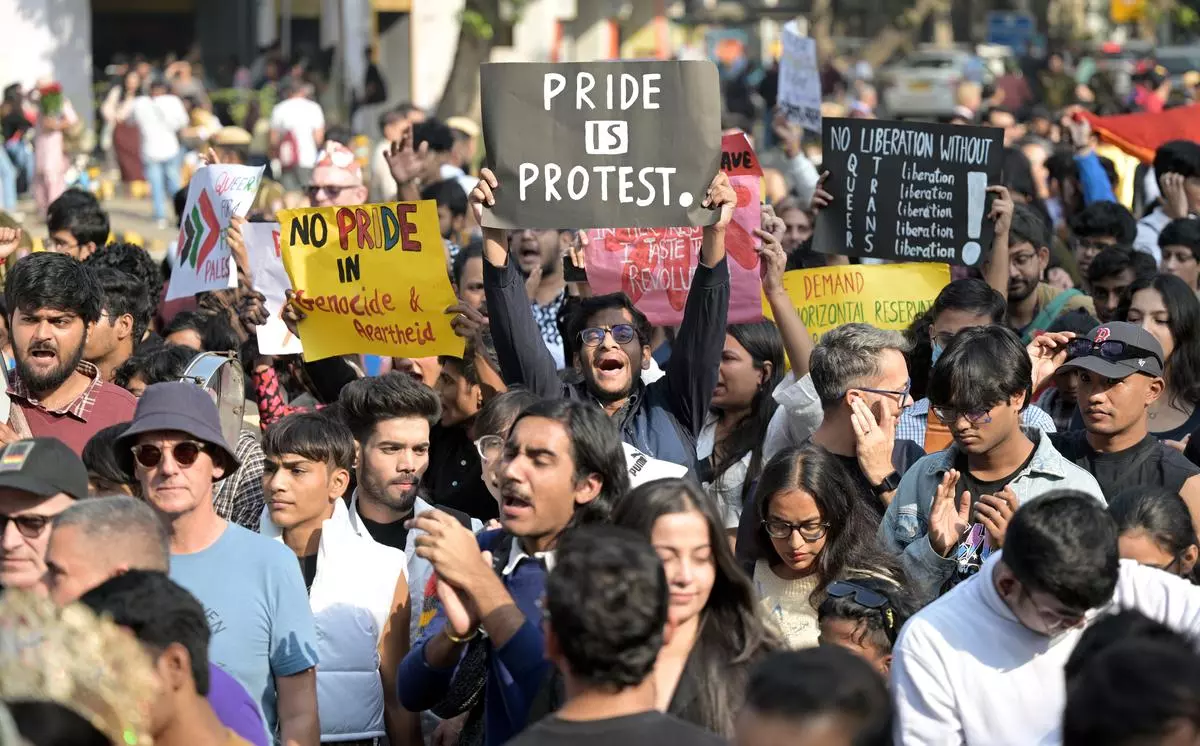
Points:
[1110,349]
[1054,620]
[622,334]
[333,190]
[868,599]
[489,446]
[29,526]
[185,453]
[949,416]
[902,395]
[810,532]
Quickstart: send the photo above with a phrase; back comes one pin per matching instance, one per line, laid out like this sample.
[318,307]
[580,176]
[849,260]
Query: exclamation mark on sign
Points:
[976,199]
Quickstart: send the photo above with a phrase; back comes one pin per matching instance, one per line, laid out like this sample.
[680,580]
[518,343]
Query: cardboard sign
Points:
[270,279]
[799,79]
[911,191]
[601,144]
[889,296]
[654,266]
[371,278]
[203,260]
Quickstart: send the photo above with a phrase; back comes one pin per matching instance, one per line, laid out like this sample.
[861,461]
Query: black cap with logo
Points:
[43,467]
[1116,350]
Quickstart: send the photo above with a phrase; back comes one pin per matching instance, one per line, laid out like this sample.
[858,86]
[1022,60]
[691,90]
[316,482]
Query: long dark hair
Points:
[849,541]
[1183,319]
[732,634]
[764,344]
[1160,514]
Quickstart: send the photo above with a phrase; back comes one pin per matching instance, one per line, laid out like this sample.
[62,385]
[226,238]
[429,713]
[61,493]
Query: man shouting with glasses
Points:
[953,507]
[611,340]
[251,586]
[39,478]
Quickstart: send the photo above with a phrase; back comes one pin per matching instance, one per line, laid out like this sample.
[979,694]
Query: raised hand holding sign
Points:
[601,144]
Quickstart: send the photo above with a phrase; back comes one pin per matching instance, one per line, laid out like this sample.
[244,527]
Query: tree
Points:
[902,31]
[482,23]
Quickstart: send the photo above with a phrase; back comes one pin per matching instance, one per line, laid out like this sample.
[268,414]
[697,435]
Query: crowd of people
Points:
[591,530]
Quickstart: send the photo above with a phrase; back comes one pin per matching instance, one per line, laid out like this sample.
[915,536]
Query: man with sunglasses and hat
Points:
[1120,369]
[39,478]
[337,179]
[251,587]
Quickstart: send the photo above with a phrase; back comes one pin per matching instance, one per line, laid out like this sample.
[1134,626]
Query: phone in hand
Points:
[573,272]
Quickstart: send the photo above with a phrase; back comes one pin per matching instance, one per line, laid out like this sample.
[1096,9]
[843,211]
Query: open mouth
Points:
[609,366]
[512,506]
[43,355]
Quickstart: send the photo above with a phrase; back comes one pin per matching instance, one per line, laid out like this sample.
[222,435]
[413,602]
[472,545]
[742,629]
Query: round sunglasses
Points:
[185,453]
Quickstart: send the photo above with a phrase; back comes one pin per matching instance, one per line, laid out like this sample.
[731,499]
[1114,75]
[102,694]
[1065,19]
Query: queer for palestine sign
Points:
[601,144]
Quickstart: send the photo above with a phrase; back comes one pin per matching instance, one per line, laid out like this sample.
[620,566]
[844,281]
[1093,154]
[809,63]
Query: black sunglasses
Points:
[1112,350]
[184,452]
[868,599]
[333,190]
[29,526]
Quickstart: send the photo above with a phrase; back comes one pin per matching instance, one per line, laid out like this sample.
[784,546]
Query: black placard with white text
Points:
[601,144]
[911,191]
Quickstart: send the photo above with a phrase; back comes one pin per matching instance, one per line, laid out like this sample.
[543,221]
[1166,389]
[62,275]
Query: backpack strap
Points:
[1048,314]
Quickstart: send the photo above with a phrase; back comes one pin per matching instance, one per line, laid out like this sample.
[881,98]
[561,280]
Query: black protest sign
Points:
[601,144]
[911,191]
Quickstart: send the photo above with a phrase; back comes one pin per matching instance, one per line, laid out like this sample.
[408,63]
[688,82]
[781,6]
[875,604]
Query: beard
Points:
[380,491]
[56,376]
[1021,290]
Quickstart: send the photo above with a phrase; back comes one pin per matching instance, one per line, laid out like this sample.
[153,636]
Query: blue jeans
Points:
[8,183]
[21,155]
[164,182]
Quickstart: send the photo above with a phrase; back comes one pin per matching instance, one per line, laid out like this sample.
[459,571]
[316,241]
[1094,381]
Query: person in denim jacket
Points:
[953,507]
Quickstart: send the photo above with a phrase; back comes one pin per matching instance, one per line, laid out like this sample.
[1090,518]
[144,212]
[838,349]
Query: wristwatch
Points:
[889,484]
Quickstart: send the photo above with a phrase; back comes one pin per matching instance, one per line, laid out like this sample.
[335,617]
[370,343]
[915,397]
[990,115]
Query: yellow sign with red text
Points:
[888,296]
[371,279]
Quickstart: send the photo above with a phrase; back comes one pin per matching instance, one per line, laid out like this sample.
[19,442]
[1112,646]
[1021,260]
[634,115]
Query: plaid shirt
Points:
[912,421]
[79,408]
[239,497]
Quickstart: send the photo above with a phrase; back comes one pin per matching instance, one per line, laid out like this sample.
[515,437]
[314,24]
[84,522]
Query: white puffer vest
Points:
[351,598]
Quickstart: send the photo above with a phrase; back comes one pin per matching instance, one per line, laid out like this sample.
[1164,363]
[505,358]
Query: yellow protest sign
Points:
[888,296]
[371,278]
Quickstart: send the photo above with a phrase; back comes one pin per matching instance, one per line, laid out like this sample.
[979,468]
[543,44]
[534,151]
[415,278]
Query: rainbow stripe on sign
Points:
[200,231]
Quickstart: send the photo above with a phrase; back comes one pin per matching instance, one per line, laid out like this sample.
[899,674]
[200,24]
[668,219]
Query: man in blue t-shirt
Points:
[251,587]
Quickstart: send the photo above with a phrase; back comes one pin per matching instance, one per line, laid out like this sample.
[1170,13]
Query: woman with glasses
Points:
[813,530]
[1156,530]
[717,633]
[492,424]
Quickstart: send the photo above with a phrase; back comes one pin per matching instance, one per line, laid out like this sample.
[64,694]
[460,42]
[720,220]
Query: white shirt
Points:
[383,186]
[964,670]
[516,554]
[159,120]
[303,118]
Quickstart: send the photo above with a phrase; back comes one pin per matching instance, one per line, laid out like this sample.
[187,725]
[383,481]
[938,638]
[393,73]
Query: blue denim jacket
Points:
[906,522]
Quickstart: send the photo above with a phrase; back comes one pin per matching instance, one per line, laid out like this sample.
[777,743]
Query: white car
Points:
[925,83]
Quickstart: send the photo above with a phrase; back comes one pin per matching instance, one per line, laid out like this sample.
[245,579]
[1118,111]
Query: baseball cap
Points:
[175,406]
[1116,350]
[43,467]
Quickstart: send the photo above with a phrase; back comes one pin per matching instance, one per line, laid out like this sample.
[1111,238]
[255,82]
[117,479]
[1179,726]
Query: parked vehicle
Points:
[925,83]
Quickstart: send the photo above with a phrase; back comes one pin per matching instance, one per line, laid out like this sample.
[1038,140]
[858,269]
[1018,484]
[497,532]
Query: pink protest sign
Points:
[654,266]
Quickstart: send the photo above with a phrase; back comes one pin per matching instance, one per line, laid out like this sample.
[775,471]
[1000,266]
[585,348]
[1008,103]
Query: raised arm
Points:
[797,342]
[691,373]
[996,270]
[524,358]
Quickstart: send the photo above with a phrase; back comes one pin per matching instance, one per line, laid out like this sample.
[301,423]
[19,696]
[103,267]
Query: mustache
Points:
[46,346]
